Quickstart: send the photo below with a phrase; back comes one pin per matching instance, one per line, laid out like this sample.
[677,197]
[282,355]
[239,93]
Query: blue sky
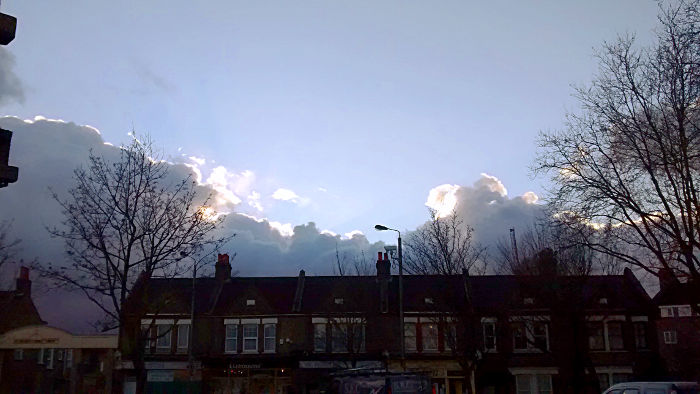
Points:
[358,107]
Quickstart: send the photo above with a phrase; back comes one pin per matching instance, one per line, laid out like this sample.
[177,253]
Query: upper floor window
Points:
[270,337]
[605,335]
[450,338]
[163,332]
[670,337]
[409,337]
[231,339]
[319,337]
[640,335]
[666,311]
[684,311]
[530,334]
[183,337]
[429,336]
[615,340]
[250,302]
[250,337]
[19,355]
[489,328]
[347,336]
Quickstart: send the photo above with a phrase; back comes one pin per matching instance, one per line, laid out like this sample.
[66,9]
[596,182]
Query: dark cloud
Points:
[10,85]
[47,152]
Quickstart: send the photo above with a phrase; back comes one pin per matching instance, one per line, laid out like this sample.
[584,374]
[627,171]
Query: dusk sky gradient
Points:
[358,107]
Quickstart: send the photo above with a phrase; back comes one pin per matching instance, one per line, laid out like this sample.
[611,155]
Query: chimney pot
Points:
[379,256]
[222,268]
[23,284]
[24,273]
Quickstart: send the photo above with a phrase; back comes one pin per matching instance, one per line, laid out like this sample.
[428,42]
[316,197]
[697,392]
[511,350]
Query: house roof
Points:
[424,293]
[678,294]
[17,310]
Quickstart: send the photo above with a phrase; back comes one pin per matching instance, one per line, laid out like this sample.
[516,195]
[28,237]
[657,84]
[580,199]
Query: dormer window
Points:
[428,300]
[250,302]
[528,301]
[603,301]
[338,301]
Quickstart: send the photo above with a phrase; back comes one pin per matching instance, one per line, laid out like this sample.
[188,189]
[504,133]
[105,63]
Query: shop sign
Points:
[315,364]
[160,376]
[244,366]
[35,341]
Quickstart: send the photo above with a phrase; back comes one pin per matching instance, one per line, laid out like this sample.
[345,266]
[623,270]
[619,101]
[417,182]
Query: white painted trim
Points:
[410,319]
[183,321]
[319,320]
[534,371]
[605,318]
[157,321]
[533,318]
[614,369]
[250,321]
[269,320]
[639,318]
[489,320]
[232,321]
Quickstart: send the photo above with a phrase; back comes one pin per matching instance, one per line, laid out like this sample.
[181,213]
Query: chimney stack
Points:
[383,265]
[666,279]
[223,268]
[23,284]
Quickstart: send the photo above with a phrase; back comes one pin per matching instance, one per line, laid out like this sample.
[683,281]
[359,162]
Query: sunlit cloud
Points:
[353,233]
[286,229]
[254,200]
[492,183]
[530,197]
[200,161]
[443,199]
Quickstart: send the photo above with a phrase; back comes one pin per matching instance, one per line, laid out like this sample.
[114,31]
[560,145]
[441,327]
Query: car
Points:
[653,388]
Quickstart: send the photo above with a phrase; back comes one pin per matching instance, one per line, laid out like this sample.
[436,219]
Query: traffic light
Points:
[8,26]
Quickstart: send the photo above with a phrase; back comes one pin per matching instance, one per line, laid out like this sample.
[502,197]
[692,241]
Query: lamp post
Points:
[379,227]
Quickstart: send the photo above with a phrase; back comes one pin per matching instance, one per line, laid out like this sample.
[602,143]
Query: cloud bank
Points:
[47,151]
[10,86]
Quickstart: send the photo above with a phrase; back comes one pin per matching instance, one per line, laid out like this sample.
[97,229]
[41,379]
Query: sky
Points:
[312,121]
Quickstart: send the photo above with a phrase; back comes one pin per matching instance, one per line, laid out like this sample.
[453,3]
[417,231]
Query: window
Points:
[69,358]
[59,354]
[163,339]
[666,311]
[19,354]
[615,340]
[489,336]
[670,337]
[450,336]
[148,342]
[409,337]
[640,335]
[320,337]
[40,358]
[339,338]
[539,333]
[358,337]
[684,311]
[533,384]
[429,335]
[621,378]
[428,300]
[250,302]
[603,301]
[231,341]
[48,360]
[250,337]
[183,337]
[519,336]
[528,301]
[338,301]
[596,340]
[270,336]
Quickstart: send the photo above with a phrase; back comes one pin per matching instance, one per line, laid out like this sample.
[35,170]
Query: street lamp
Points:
[380,227]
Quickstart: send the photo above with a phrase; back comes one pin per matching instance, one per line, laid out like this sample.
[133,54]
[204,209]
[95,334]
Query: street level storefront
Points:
[446,376]
[255,375]
[44,359]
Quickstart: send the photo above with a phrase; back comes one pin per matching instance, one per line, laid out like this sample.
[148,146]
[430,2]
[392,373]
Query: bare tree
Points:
[8,247]
[442,246]
[347,264]
[127,221]
[628,165]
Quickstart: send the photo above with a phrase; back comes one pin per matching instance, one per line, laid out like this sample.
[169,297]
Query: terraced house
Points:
[490,334]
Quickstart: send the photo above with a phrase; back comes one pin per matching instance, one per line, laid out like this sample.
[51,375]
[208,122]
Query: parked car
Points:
[654,388]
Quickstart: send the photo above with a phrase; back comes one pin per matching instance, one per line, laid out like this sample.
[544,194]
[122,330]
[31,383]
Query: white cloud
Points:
[354,233]
[199,160]
[442,199]
[285,195]
[530,197]
[254,200]
[285,229]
